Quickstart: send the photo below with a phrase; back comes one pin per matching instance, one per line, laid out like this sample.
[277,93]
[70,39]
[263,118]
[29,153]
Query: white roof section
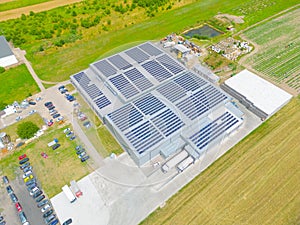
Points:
[263,94]
[182,48]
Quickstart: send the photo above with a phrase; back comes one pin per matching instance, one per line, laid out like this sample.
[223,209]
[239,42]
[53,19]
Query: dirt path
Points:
[5,1]
[15,13]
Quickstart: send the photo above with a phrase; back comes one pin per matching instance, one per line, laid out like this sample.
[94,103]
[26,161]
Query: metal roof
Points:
[4,48]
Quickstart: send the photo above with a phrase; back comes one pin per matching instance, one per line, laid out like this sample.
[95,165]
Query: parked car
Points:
[51,107]
[69,221]
[42,203]
[53,112]
[22,156]
[32,103]
[30,182]
[69,134]
[63,91]
[55,116]
[27,174]
[50,123]
[23,161]
[61,87]
[34,190]
[26,179]
[78,147]
[48,103]
[44,155]
[83,159]
[48,213]
[13,198]
[59,118]
[67,130]
[32,112]
[81,155]
[54,222]
[5,180]
[72,138]
[37,194]
[45,208]
[31,187]
[23,166]
[50,218]
[40,198]
[78,152]
[2,222]
[18,118]
[26,169]
[55,146]
[9,189]
[18,207]
[1,218]
[38,99]
[22,217]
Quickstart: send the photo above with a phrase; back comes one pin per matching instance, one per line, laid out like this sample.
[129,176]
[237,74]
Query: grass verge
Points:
[256,182]
[19,84]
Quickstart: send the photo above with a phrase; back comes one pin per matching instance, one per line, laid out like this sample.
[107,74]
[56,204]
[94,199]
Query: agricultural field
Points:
[19,85]
[256,182]
[93,29]
[277,45]
[9,4]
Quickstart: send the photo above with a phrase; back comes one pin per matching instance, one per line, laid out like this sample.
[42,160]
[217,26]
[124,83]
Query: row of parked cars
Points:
[62,89]
[53,112]
[69,134]
[81,153]
[36,192]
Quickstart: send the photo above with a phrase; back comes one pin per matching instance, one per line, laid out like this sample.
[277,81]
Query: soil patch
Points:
[230,18]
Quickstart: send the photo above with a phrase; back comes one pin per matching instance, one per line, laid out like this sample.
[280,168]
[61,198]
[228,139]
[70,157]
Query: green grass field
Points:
[61,166]
[12,129]
[279,44]
[58,64]
[18,4]
[16,85]
[256,182]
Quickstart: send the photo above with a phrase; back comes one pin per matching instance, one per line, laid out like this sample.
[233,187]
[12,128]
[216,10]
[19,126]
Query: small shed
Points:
[181,49]
[7,58]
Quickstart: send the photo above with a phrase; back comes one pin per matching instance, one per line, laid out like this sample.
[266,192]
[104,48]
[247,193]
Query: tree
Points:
[27,130]
[2,70]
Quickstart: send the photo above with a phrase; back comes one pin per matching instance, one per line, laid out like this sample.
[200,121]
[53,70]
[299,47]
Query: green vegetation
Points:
[256,182]
[63,27]
[62,165]
[12,129]
[19,84]
[278,56]
[18,4]
[98,134]
[2,70]
[26,130]
[70,87]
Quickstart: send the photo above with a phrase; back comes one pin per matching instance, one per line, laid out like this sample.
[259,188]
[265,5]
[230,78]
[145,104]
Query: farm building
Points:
[7,58]
[258,95]
[154,106]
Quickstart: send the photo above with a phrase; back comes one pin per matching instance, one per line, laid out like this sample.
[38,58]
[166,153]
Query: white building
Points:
[7,58]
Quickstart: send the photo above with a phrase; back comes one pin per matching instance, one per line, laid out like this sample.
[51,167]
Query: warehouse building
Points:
[7,58]
[154,106]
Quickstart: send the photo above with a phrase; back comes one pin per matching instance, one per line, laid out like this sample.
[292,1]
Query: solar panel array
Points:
[105,68]
[137,54]
[157,70]
[140,81]
[213,130]
[92,90]
[119,62]
[124,86]
[150,49]
[149,104]
[201,101]
[170,64]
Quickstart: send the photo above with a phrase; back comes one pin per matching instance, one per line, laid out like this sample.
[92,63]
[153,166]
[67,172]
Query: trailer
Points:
[75,188]
[174,161]
[52,142]
[71,197]
[185,164]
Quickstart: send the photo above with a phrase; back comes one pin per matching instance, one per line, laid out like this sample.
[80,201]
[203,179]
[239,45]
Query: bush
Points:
[27,130]
[2,70]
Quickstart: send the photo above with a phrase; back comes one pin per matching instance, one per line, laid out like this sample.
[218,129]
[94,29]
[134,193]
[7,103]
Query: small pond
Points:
[205,31]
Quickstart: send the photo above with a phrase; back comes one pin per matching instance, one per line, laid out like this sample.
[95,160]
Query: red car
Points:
[50,123]
[44,155]
[18,207]
[22,156]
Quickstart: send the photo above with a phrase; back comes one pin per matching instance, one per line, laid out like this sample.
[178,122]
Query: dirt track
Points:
[15,13]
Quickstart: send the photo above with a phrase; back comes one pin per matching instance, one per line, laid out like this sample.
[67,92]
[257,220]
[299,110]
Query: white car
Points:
[45,208]
[27,174]
[59,118]
[67,130]
[34,190]
[18,118]
[32,112]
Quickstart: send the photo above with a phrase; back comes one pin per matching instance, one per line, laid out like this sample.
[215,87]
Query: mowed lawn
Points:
[61,166]
[17,84]
[257,182]
[18,4]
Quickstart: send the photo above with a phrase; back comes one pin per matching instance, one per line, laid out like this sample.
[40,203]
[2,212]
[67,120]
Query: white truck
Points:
[174,161]
[185,164]
[69,193]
